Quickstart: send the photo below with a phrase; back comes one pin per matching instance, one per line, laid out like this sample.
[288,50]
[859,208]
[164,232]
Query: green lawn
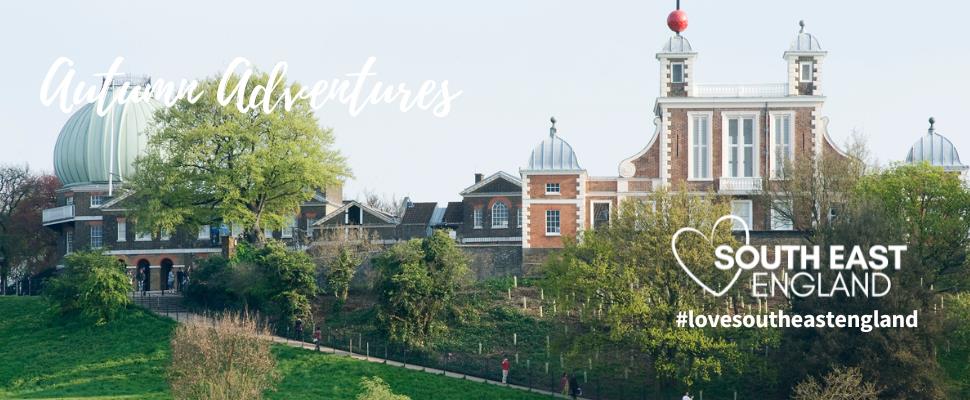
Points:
[42,356]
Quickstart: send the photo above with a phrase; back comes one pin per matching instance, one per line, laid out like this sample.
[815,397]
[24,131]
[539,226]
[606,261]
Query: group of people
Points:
[570,385]
[298,333]
[141,278]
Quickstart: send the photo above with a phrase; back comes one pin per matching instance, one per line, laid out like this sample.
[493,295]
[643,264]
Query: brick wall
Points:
[537,222]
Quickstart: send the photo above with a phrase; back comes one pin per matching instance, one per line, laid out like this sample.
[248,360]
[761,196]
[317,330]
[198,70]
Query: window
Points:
[96,241]
[552,223]
[782,149]
[309,227]
[287,231]
[69,200]
[740,145]
[805,71]
[779,219]
[477,218]
[601,214]
[741,209]
[267,231]
[677,73]
[122,230]
[97,200]
[699,136]
[500,215]
[165,234]
[142,236]
[552,188]
[205,232]
[518,220]
[68,241]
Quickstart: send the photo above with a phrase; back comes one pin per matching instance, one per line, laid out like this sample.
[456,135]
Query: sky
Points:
[592,65]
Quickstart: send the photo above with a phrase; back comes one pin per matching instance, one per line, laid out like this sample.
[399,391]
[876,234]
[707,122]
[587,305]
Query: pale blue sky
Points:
[591,64]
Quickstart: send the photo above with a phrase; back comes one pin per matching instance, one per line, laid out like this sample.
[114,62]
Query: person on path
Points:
[687,397]
[316,338]
[298,330]
[171,281]
[564,383]
[573,386]
[505,370]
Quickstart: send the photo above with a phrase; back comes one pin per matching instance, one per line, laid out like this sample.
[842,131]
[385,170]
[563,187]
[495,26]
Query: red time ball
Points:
[677,21]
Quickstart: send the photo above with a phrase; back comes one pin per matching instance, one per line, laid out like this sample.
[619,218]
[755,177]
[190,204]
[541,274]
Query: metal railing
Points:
[741,90]
[739,185]
[56,214]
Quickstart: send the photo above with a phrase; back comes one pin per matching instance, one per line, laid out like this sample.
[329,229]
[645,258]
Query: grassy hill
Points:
[42,356]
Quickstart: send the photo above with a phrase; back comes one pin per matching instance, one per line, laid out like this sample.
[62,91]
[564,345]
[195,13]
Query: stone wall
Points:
[493,260]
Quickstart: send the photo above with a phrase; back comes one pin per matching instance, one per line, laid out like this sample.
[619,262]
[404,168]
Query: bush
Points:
[92,284]
[374,388]
[841,383]
[221,359]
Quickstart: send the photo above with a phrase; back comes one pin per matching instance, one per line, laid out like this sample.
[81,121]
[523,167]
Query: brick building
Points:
[725,139]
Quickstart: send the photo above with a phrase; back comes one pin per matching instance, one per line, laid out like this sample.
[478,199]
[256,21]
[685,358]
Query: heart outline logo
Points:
[737,273]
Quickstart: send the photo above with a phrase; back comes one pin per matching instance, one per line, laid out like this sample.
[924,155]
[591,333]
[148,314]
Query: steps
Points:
[159,303]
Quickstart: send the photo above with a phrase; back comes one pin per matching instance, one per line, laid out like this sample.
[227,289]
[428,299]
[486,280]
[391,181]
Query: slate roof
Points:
[418,213]
[453,214]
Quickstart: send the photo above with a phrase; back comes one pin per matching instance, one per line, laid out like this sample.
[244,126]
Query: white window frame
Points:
[478,220]
[97,240]
[68,242]
[287,231]
[553,188]
[142,237]
[506,224]
[749,220]
[726,145]
[673,75]
[557,228]
[801,71]
[205,232]
[518,219]
[122,230]
[69,200]
[691,176]
[592,211]
[165,234]
[780,222]
[773,172]
[101,200]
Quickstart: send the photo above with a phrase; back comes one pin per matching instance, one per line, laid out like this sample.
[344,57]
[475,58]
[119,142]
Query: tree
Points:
[26,246]
[207,163]
[283,282]
[416,281]
[91,283]
[841,383]
[222,359]
[626,286]
[339,254]
[390,204]
[374,388]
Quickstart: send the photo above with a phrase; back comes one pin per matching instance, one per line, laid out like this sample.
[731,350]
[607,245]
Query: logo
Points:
[797,270]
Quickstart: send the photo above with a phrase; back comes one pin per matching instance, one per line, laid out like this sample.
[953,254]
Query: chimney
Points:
[478,177]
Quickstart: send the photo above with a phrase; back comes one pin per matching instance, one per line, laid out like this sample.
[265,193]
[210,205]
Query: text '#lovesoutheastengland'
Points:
[781,319]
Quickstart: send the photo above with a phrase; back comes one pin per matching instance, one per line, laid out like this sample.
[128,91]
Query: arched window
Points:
[500,215]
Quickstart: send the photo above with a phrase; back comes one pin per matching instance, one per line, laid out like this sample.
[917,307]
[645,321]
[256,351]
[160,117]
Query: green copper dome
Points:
[83,151]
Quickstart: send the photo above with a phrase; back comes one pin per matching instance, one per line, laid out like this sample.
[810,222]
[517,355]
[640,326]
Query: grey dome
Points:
[553,154]
[805,42]
[677,44]
[936,150]
[83,150]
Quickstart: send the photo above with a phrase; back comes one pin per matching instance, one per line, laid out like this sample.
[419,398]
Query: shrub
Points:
[374,388]
[92,284]
[221,359]
[841,383]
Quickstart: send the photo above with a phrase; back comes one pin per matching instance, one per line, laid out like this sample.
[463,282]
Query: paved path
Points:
[182,317]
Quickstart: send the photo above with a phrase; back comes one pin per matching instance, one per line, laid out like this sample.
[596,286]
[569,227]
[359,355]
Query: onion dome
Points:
[83,153]
[936,150]
[805,42]
[553,154]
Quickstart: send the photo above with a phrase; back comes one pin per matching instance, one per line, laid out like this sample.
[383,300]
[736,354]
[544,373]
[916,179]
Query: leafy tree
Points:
[26,246]
[91,283]
[339,255]
[206,163]
[926,209]
[841,383]
[284,279]
[626,286]
[416,281]
[222,359]
[374,388]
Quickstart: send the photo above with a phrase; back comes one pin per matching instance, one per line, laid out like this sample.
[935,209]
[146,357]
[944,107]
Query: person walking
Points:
[573,386]
[298,330]
[316,338]
[564,383]
[505,370]
[171,282]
